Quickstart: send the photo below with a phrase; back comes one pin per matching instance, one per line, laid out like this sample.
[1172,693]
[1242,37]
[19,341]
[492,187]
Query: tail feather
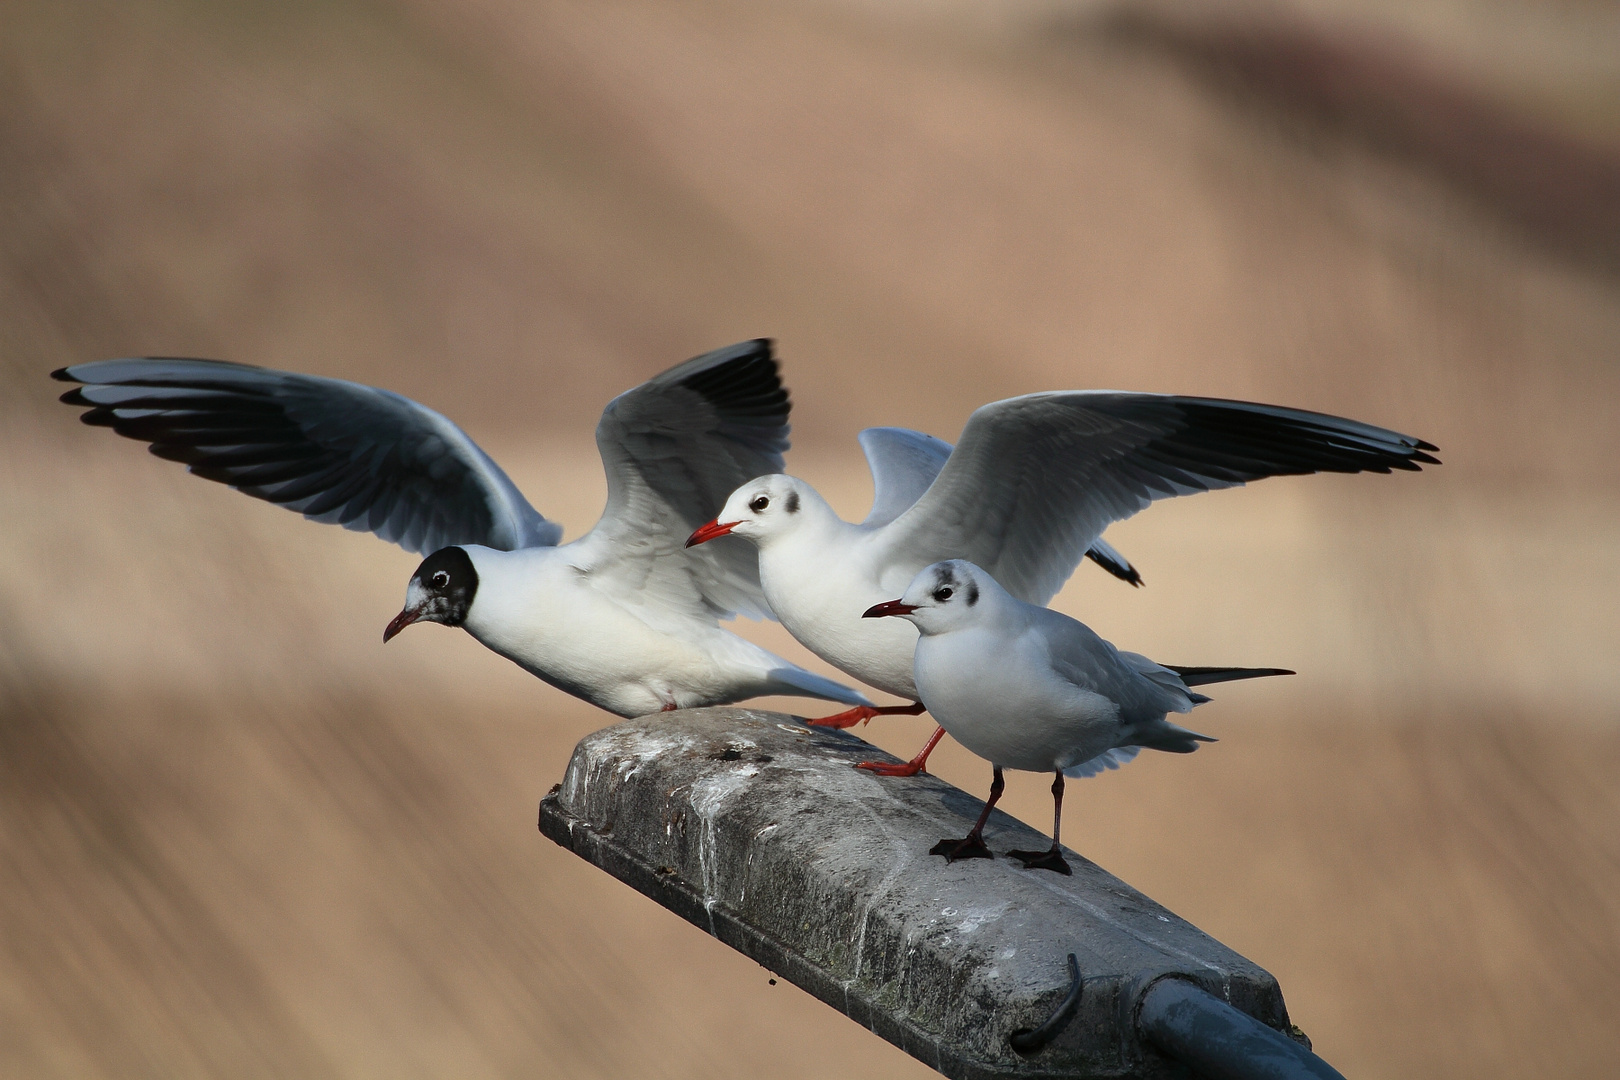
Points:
[1202,676]
[1170,738]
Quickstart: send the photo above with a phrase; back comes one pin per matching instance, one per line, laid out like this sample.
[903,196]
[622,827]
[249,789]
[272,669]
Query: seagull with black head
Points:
[625,617]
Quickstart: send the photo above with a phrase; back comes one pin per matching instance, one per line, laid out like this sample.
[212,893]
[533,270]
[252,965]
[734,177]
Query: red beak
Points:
[401,621]
[704,533]
[888,607]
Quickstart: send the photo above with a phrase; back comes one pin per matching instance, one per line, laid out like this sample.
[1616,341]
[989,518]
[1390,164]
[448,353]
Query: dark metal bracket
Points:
[1034,1041]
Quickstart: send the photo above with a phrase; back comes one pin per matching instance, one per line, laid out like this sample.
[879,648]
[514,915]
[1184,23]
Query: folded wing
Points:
[1036,479]
[334,451]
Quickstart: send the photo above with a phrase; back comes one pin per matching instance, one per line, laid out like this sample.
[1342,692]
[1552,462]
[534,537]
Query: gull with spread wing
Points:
[625,617]
[1025,494]
[1029,688]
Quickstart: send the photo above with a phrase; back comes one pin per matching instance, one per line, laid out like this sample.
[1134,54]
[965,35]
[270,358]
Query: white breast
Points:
[998,696]
[820,589]
[534,608]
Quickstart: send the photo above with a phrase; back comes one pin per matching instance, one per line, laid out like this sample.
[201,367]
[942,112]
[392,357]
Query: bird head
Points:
[761,510]
[942,597]
[441,591]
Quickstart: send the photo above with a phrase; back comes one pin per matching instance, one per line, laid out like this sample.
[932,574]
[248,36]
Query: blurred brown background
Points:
[239,837]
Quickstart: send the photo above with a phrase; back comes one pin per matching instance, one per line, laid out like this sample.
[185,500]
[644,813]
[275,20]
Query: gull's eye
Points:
[759,504]
[943,593]
[440,579]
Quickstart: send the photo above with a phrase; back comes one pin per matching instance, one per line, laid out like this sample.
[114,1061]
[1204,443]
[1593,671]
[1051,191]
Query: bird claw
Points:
[846,719]
[969,847]
[1050,859]
[890,768]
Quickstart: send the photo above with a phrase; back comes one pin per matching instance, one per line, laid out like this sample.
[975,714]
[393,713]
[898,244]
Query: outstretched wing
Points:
[674,449]
[904,463]
[1035,479]
[334,451]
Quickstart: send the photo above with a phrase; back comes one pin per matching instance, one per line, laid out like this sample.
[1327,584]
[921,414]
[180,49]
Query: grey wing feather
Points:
[1084,658]
[675,448]
[335,451]
[1036,479]
[905,463]
[1144,691]
[1167,681]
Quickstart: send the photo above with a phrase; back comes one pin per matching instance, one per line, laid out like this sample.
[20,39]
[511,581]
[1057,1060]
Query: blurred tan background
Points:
[239,837]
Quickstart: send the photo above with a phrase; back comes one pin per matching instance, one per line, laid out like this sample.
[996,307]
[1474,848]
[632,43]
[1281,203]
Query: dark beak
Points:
[401,621]
[704,533]
[888,607]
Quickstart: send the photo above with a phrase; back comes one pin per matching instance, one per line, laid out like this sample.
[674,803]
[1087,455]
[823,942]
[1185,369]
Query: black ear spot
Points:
[793,502]
[972,592]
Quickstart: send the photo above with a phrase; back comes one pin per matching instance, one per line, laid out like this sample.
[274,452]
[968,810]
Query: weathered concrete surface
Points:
[756,828]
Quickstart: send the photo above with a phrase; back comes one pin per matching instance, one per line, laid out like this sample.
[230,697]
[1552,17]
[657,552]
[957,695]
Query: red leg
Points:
[861,713]
[1051,859]
[972,845]
[911,768]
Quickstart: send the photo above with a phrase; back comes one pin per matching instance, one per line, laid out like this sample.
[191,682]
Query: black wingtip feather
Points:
[1227,434]
[61,375]
[747,385]
[1202,676]
[1124,571]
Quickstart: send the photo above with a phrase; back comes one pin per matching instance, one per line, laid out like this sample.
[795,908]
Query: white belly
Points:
[558,628]
[981,690]
[820,602]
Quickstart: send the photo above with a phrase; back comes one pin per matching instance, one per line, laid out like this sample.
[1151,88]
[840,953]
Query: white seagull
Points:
[624,617]
[1026,687]
[1026,493]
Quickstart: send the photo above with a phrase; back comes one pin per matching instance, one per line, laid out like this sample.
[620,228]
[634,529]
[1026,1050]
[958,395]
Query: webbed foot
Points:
[969,847]
[1050,859]
[846,719]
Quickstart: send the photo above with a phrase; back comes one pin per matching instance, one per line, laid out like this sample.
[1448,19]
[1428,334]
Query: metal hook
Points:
[1031,1042]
